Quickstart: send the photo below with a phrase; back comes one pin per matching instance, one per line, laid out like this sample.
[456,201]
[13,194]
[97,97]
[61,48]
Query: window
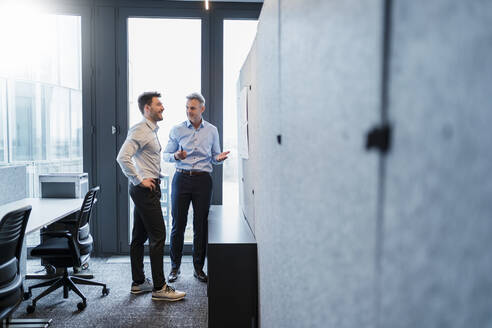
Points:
[21,121]
[76,124]
[57,106]
[164,55]
[3,121]
[40,94]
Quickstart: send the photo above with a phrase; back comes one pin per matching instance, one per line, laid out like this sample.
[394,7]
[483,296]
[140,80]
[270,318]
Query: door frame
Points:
[122,94]
[211,82]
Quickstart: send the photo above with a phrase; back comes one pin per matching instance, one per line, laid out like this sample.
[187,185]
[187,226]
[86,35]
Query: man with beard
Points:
[139,159]
[194,146]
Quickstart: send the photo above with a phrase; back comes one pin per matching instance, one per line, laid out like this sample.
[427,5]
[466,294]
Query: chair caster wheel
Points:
[50,270]
[105,291]
[30,308]
[27,295]
[81,305]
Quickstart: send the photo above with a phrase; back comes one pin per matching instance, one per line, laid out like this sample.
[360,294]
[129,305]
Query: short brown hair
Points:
[146,99]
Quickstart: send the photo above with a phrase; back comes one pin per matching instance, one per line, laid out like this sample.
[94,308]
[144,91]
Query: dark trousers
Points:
[197,190]
[148,223]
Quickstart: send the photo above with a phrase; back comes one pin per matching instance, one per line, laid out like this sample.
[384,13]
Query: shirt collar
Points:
[154,127]
[188,123]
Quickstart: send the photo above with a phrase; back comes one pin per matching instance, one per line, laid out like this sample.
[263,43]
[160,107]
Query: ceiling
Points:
[226,0]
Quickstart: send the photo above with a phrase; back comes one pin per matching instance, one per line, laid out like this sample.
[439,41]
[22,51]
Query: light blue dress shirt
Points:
[201,145]
[140,155]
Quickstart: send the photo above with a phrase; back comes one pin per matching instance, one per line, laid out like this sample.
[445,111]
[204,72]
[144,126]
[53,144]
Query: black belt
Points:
[191,173]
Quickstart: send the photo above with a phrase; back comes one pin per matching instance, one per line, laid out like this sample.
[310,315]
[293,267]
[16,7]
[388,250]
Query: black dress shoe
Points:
[200,275]
[173,275]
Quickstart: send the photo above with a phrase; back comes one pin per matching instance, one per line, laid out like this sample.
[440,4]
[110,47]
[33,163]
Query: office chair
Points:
[69,223]
[63,250]
[12,230]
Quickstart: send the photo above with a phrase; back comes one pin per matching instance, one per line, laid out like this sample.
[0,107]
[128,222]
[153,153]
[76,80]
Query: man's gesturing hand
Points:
[180,154]
[148,183]
[222,156]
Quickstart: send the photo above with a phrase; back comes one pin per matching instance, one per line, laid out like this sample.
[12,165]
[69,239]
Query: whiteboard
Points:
[243,147]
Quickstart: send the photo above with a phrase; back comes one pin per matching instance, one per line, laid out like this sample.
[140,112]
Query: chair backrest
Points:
[12,230]
[87,205]
[86,211]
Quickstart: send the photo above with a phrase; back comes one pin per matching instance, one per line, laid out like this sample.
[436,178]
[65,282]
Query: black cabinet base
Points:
[232,273]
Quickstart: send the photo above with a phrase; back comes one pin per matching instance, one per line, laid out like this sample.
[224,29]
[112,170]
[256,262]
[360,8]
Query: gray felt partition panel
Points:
[13,183]
[438,210]
[315,191]
[268,175]
[353,238]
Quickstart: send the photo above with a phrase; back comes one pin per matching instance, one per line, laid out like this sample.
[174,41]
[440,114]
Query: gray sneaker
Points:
[168,293]
[144,287]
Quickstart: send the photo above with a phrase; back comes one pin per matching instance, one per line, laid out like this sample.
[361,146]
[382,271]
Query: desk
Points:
[44,211]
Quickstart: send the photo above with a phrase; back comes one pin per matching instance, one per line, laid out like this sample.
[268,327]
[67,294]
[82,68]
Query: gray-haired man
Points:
[194,146]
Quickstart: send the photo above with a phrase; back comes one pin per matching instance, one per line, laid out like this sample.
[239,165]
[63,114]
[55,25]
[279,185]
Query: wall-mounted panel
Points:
[318,86]
[248,83]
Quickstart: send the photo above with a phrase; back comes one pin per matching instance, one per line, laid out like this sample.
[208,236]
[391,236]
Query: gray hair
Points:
[196,96]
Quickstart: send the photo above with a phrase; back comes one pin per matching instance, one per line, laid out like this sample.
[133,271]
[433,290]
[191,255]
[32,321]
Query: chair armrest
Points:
[69,222]
[70,219]
[64,233]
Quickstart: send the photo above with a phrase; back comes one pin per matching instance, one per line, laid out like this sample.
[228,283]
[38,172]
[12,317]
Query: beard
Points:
[194,118]
[157,117]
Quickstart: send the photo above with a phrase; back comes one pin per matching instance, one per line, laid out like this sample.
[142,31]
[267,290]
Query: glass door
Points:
[164,55]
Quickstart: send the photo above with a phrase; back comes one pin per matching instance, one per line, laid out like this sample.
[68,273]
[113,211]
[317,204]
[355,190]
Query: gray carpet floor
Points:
[120,308]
